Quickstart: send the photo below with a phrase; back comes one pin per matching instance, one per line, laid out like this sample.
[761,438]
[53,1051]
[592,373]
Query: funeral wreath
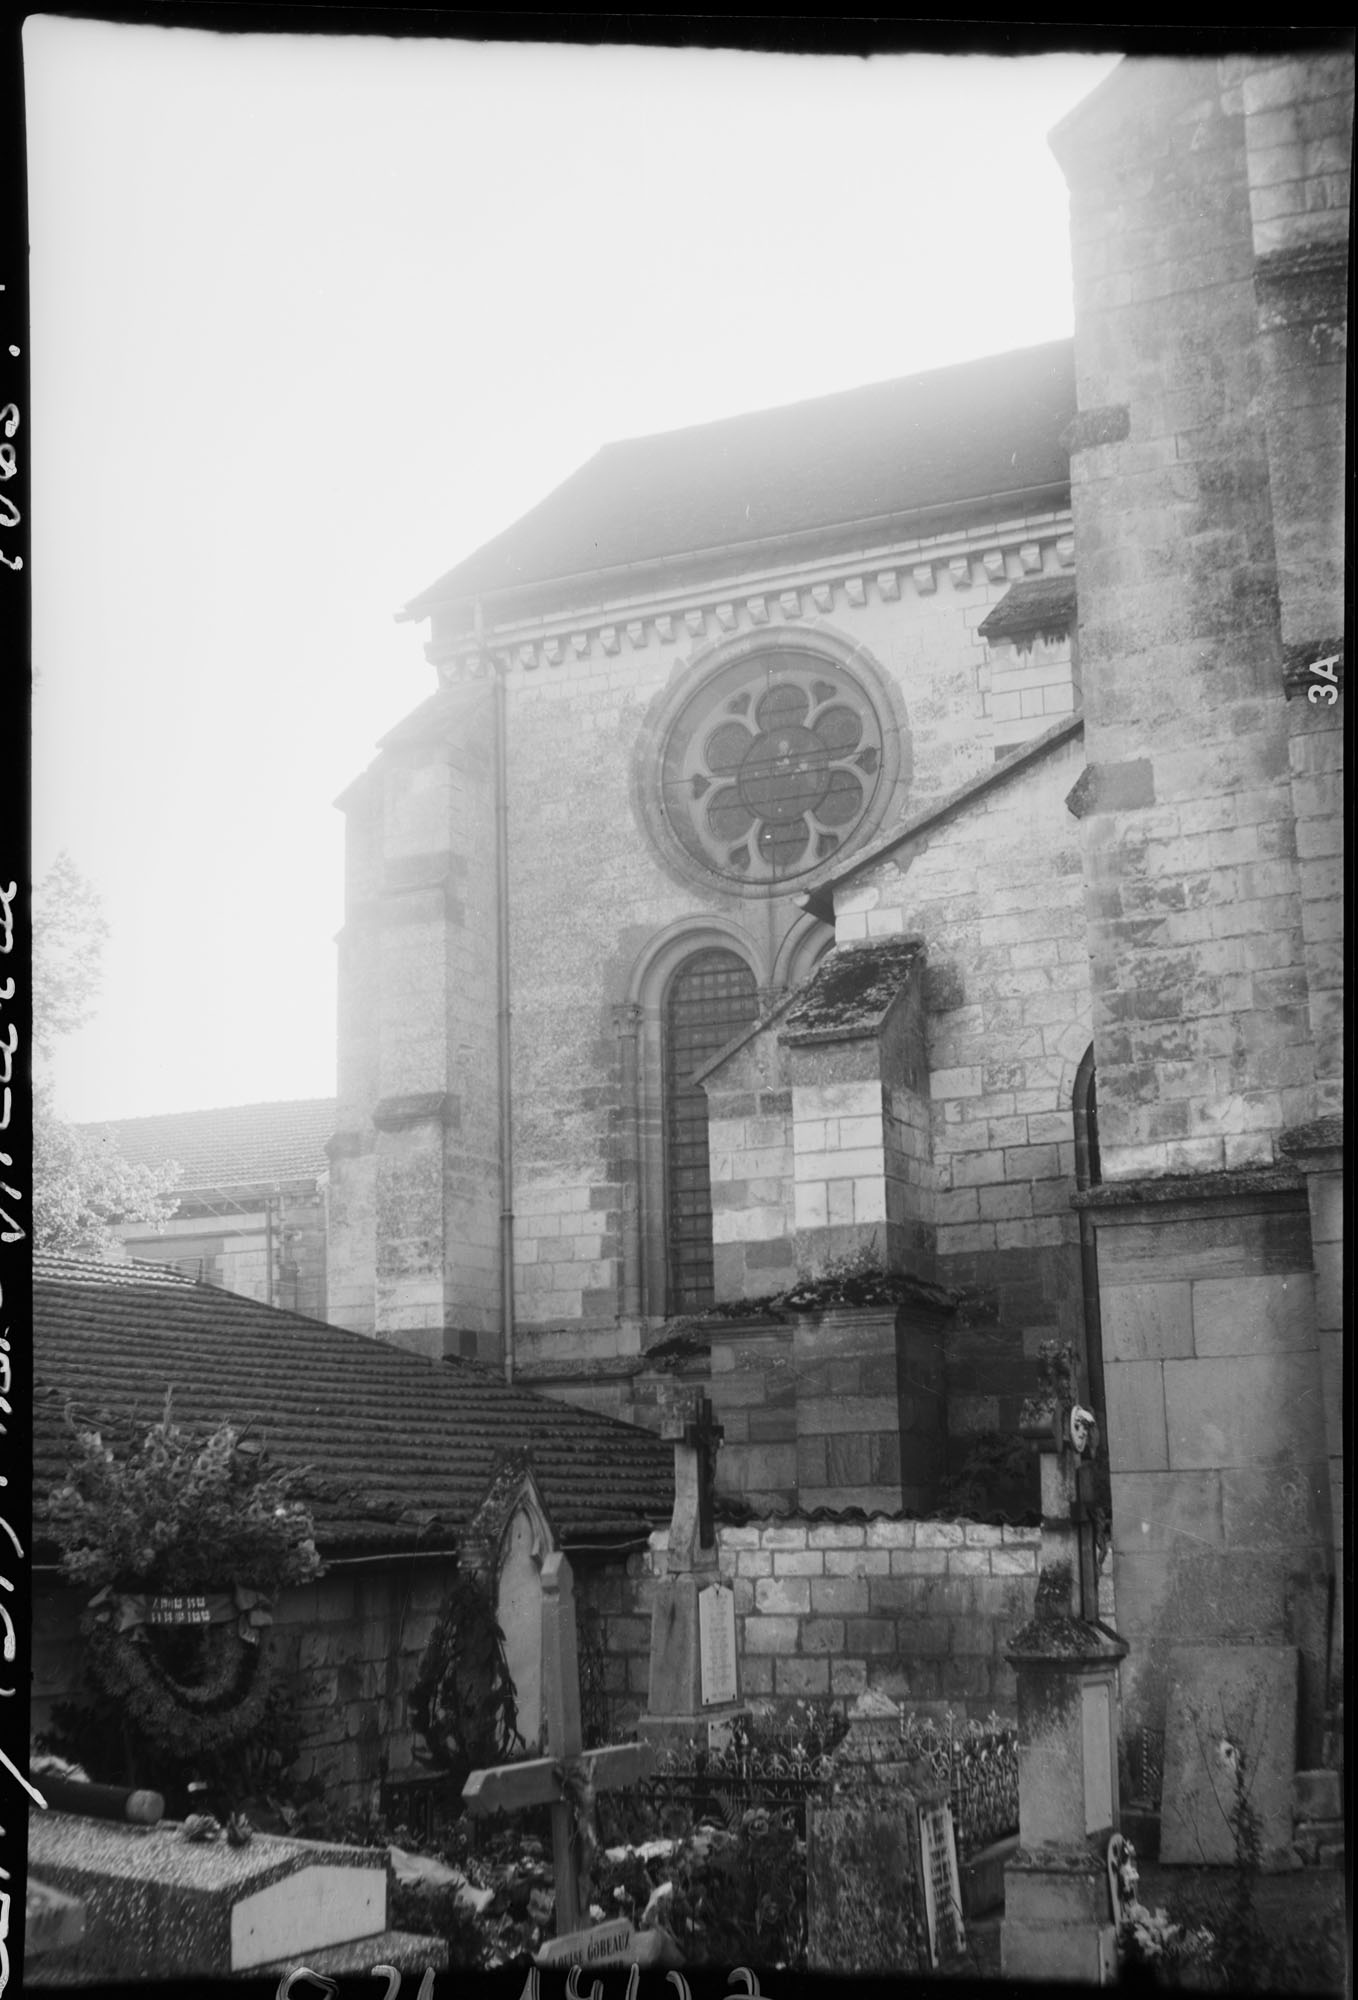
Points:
[184,1540]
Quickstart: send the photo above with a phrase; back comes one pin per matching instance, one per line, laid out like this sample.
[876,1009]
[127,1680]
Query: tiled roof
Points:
[239,1145]
[977,432]
[404,1448]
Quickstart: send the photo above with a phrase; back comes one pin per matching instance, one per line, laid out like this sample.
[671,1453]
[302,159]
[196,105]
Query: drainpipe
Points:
[502,1012]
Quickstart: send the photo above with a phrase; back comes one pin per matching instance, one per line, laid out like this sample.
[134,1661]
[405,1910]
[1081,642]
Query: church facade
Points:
[790,872]
[721,672]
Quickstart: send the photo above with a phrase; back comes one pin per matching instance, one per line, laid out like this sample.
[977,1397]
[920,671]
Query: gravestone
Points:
[566,1781]
[1230,1730]
[695,1674]
[158,1906]
[518,1611]
[867,1907]
[508,1539]
[883,1890]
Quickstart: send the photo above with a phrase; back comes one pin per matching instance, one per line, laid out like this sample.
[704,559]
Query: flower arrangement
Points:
[184,1540]
[463,1703]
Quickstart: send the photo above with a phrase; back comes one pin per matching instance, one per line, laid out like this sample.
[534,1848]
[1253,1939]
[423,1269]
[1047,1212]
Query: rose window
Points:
[769,769]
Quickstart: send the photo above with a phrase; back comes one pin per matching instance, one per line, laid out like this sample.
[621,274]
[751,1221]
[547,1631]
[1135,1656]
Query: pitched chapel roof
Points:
[404,1448]
[238,1145]
[985,430]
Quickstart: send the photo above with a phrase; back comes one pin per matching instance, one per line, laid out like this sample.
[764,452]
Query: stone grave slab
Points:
[866,1901]
[1223,1702]
[158,1906]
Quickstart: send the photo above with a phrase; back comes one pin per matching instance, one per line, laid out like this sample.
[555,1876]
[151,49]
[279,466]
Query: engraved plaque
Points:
[717,1642]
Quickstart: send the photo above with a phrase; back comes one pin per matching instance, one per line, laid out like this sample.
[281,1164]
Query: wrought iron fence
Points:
[977,1764]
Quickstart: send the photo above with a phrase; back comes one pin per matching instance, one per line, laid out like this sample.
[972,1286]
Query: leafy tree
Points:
[82,1185]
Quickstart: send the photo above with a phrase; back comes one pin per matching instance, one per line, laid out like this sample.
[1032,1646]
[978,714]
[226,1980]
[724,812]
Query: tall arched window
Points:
[710,999]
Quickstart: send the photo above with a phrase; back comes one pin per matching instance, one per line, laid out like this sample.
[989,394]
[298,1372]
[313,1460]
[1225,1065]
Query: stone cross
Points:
[688,1422]
[567,1779]
[703,1436]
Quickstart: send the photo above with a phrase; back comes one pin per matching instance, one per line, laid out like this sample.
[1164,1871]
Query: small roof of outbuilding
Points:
[980,431]
[403,1448]
[236,1145]
[1033,604]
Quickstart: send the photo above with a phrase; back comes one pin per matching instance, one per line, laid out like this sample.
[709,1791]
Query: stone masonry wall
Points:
[1217,1437]
[590,895]
[919,1609]
[414,1203]
[995,893]
[1208,1031]
[753,1165]
[351,1644]
[1195,924]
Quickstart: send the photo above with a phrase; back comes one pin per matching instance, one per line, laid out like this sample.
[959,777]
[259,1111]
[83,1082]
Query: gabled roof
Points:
[238,1145]
[404,1448]
[820,901]
[980,432]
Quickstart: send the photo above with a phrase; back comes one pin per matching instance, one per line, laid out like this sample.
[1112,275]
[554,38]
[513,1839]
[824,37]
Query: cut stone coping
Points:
[157,1905]
[852,990]
[1232,1184]
[1072,1641]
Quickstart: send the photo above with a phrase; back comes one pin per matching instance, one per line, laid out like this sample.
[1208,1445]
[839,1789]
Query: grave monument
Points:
[159,1905]
[567,1780]
[883,1886]
[695,1671]
[1059,1922]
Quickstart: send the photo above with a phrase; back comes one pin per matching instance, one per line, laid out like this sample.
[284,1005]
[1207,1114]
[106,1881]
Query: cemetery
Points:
[835,1819]
[867,1498]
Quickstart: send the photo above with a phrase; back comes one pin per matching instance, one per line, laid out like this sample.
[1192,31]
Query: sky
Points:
[314,318]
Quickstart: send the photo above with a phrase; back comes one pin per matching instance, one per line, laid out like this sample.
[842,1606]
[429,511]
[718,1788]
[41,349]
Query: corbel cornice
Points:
[1002,552]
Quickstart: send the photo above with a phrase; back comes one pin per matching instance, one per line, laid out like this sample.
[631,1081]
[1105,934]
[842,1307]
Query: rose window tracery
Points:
[770,768]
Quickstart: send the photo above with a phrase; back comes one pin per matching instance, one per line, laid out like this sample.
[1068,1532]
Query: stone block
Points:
[857,1562]
[920,1562]
[848,1677]
[1204,1247]
[1249,1409]
[841,1594]
[1135,1395]
[1317,1795]
[772,1635]
[1230,1731]
[939,1535]
[1146,1322]
[776,1595]
[1156,1511]
[822,1635]
[801,1677]
[1279,1507]
[872,1637]
[892,1534]
[1254,1315]
[838,1535]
